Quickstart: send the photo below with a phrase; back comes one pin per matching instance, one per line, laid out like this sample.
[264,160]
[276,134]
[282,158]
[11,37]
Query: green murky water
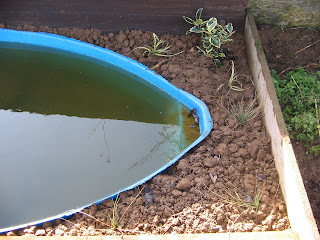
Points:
[76,130]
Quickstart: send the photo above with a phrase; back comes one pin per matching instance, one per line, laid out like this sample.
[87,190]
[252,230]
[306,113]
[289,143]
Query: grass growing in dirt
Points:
[243,114]
[115,218]
[233,83]
[156,50]
[299,97]
[234,195]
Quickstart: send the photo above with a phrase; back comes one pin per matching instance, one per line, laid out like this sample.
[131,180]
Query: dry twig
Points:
[159,64]
[304,67]
[302,49]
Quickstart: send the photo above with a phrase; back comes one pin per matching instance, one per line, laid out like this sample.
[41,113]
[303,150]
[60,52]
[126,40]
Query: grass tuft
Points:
[115,219]
[156,50]
[244,114]
[233,83]
[238,197]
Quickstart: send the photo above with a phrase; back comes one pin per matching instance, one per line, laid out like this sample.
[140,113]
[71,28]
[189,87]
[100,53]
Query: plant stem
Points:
[130,204]
[317,113]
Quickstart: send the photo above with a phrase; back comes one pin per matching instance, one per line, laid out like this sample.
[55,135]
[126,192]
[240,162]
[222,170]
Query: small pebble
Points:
[211,161]
[176,193]
[59,232]
[183,184]
[156,219]
[73,232]
[261,176]
[282,208]
[148,196]
[10,233]
[216,229]
[261,155]
[40,232]
[30,230]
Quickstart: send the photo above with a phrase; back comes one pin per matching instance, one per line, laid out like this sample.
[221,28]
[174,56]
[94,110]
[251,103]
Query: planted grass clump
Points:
[113,226]
[299,96]
[234,83]
[236,196]
[177,200]
[157,48]
[243,114]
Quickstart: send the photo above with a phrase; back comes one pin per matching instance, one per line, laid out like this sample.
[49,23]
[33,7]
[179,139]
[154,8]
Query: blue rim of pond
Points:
[126,64]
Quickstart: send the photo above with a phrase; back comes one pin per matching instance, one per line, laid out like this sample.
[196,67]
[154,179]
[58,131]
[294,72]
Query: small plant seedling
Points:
[315,150]
[115,218]
[243,114]
[233,83]
[233,79]
[213,35]
[156,50]
[238,197]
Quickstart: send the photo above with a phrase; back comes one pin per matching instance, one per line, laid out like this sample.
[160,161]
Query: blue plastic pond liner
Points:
[122,62]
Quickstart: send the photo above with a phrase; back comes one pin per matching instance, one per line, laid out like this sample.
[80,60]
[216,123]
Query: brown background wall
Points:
[115,15]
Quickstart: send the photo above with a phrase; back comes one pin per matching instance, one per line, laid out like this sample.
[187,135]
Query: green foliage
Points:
[156,50]
[315,150]
[233,83]
[239,197]
[115,219]
[299,96]
[213,36]
[244,114]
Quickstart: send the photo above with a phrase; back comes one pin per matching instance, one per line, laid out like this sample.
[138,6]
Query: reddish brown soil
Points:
[188,196]
[285,50]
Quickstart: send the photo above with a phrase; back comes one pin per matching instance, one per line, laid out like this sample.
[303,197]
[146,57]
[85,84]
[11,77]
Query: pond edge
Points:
[126,64]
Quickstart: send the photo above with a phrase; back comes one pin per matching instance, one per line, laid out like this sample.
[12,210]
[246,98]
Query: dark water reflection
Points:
[74,131]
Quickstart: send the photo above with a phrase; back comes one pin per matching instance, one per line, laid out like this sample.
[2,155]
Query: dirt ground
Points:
[190,196]
[285,50]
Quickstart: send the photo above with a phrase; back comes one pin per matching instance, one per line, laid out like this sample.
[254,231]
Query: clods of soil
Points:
[285,49]
[201,192]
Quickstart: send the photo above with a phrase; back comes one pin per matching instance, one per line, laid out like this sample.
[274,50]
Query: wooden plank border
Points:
[298,207]
[283,235]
